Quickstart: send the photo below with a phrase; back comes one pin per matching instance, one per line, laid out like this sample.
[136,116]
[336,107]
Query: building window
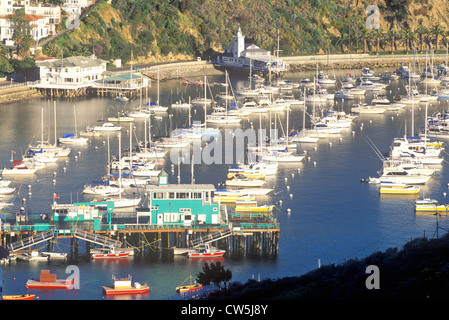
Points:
[158,195]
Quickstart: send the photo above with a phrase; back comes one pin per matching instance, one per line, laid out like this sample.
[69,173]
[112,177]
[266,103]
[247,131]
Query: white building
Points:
[241,55]
[71,72]
[51,13]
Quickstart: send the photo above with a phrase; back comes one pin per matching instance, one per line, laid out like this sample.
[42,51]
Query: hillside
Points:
[420,270]
[164,30]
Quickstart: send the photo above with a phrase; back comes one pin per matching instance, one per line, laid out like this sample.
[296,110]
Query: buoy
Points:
[353,132]
[444,194]
[96,148]
[315,148]
[280,202]
[330,144]
[308,158]
[299,170]
[64,169]
[29,186]
[291,195]
[54,174]
[289,211]
[293,175]
[54,181]
[314,163]
[288,187]
[285,179]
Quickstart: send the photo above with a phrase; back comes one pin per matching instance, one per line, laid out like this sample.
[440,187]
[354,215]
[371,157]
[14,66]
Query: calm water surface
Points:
[334,217]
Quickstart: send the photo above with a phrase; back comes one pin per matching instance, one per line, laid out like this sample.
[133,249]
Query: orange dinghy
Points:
[125,286]
[20,297]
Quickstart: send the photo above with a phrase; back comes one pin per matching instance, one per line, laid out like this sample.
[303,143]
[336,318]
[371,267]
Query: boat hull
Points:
[133,290]
[19,297]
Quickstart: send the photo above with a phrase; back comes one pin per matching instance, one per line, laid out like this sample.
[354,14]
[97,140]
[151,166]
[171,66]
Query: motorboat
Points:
[121,97]
[125,286]
[19,168]
[403,177]
[364,108]
[239,180]
[399,189]
[204,250]
[430,205]
[112,253]
[102,189]
[107,126]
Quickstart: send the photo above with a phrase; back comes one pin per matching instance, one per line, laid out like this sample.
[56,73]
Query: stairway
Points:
[97,239]
[30,241]
[211,237]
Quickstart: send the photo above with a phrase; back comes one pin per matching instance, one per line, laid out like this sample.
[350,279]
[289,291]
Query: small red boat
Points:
[20,297]
[111,254]
[125,286]
[192,286]
[205,251]
[49,281]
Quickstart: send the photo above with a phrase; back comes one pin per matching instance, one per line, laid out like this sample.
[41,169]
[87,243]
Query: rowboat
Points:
[125,286]
[205,251]
[19,297]
[49,281]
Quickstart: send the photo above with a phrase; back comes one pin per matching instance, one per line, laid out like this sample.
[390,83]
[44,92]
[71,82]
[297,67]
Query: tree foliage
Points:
[214,273]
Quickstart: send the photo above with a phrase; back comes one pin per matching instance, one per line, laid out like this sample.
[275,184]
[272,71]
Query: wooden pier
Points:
[243,239]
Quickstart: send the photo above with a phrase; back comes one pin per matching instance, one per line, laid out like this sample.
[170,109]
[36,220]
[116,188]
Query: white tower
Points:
[239,43]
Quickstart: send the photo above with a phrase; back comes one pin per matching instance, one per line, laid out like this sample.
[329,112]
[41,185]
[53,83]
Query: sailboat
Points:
[222,117]
[156,107]
[119,201]
[103,188]
[70,138]
[44,146]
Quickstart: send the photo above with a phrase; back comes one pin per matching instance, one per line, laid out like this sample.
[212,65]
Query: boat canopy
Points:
[68,135]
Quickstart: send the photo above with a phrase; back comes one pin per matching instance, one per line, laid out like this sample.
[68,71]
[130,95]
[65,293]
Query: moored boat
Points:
[430,205]
[192,286]
[204,250]
[49,281]
[111,254]
[125,286]
[19,297]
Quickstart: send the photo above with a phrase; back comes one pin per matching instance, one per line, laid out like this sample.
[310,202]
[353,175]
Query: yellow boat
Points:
[248,174]
[20,297]
[430,205]
[265,208]
[399,189]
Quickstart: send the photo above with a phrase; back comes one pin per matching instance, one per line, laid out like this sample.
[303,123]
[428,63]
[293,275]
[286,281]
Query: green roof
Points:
[123,77]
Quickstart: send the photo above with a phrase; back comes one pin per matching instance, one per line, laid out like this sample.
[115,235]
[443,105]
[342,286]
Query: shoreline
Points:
[186,69]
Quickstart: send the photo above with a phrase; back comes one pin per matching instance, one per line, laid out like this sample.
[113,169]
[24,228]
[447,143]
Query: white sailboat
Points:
[70,138]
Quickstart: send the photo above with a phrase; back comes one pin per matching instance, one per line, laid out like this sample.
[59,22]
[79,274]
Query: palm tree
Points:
[408,37]
[393,35]
[421,31]
[436,31]
[377,34]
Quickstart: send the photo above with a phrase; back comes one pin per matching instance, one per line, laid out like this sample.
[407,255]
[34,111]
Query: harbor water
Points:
[326,214]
